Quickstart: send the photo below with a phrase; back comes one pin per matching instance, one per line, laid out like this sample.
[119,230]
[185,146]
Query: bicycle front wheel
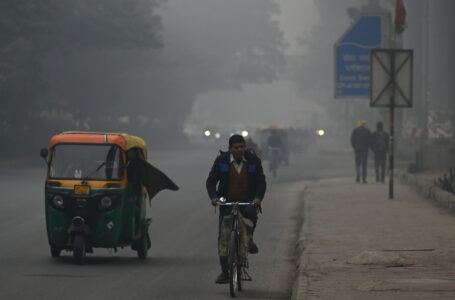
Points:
[234,268]
[239,276]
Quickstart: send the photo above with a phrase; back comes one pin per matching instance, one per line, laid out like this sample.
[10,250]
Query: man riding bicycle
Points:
[239,176]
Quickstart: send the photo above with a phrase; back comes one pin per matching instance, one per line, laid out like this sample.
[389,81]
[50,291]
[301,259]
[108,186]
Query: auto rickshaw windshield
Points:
[88,161]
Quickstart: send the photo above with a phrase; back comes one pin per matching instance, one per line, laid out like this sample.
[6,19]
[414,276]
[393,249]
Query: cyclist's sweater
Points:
[238,185]
[220,175]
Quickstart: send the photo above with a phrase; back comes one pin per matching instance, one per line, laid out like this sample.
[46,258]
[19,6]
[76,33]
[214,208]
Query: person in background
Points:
[361,141]
[276,151]
[251,145]
[380,147]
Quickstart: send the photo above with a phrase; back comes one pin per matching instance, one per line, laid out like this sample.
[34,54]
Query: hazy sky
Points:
[296,19]
[277,99]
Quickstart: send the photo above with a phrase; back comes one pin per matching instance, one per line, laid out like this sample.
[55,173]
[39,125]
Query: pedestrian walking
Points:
[380,147]
[361,141]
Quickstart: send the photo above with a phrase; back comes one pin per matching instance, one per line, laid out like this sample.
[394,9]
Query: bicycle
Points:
[237,249]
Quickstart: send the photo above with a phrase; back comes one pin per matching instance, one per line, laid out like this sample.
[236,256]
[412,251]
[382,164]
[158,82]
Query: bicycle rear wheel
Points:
[234,268]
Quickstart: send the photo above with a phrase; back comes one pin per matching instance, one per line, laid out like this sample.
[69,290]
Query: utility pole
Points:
[392,124]
[425,88]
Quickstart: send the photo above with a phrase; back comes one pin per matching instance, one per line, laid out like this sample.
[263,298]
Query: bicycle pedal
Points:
[246,276]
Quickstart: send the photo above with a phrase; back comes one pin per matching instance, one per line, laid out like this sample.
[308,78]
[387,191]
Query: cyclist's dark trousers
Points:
[361,162]
[249,212]
[379,165]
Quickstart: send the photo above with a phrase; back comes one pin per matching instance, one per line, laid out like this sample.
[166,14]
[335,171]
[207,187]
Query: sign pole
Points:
[392,121]
[392,118]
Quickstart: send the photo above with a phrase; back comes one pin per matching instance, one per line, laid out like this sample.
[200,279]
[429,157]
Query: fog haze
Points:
[185,75]
[163,69]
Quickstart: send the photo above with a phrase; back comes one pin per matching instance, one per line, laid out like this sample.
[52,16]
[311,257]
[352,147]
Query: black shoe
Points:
[364,181]
[357,179]
[253,249]
[223,278]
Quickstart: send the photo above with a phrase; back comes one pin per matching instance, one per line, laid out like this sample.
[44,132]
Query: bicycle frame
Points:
[237,263]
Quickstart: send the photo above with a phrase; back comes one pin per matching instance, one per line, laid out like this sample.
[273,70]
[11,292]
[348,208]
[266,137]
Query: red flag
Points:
[400,17]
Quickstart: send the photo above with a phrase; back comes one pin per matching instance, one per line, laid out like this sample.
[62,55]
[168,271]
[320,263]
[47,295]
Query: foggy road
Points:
[182,262]
[196,72]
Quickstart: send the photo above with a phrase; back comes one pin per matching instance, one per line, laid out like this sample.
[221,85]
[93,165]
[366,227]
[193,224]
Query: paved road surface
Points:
[182,263]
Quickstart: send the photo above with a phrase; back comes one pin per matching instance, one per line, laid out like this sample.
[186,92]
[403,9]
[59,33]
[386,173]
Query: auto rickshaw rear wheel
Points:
[55,251]
[79,249]
[142,245]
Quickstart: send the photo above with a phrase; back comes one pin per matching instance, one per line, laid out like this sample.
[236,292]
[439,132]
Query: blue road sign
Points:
[352,57]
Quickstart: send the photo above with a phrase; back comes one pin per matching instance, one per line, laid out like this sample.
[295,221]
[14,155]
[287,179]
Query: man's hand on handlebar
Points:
[215,201]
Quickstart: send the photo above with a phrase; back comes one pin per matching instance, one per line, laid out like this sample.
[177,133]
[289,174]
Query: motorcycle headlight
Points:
[106,202]
[58,202]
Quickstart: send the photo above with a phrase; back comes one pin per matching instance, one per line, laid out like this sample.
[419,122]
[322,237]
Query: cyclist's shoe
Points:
[222,278]
[253,249]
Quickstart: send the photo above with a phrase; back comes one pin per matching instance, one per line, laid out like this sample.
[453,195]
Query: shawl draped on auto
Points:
[153,179]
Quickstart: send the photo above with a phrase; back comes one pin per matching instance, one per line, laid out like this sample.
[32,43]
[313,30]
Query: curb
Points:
[300,284]
[429,190]
[299,287]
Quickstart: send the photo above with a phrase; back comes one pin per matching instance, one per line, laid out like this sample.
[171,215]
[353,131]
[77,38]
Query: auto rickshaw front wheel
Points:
[79,247]
[55,251]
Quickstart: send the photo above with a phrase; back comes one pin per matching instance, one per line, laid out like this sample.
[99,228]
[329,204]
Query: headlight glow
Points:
[244,133]
[207,133]
[217,135]
[321,132]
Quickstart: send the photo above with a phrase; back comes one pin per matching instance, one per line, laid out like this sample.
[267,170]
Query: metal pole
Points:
[392,119]
[426,68]
[392,113]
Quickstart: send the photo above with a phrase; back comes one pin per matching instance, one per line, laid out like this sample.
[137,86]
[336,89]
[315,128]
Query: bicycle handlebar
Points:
[223,202]
[233,203]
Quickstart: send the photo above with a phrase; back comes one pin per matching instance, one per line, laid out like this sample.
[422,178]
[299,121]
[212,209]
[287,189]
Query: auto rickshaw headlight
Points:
[58,201]
[106,202]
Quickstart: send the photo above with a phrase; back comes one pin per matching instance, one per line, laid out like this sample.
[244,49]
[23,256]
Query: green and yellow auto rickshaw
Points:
[96,192]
